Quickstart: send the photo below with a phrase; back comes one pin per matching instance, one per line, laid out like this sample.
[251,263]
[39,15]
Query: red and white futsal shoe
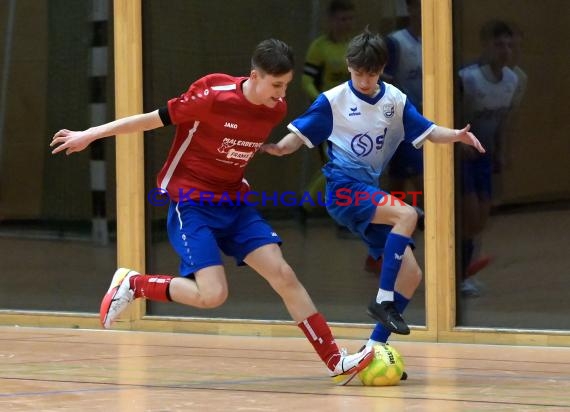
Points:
[117,297]
[349,365]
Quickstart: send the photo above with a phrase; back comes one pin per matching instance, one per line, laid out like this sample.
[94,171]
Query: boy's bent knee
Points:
[409,215]
[418,275]
[214,299]
[284,278]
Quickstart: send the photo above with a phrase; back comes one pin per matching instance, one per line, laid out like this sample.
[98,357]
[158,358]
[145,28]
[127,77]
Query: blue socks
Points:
[393,254]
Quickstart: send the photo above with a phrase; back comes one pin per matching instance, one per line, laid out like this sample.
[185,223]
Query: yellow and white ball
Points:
[385,369]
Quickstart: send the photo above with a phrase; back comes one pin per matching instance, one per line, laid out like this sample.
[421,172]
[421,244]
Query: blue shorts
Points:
[198,233]
[407,162]
[478,176]
[357,217]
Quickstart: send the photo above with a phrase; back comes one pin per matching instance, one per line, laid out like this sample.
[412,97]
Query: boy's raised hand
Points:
[70,141]
[468,138]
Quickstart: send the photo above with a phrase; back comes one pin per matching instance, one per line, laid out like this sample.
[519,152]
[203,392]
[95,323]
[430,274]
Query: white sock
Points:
[372,342]
[385,295]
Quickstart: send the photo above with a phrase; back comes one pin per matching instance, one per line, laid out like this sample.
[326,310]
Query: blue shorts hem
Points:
[188,273]
[254,246]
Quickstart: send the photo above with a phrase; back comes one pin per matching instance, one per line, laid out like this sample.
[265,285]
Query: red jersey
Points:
[217,133]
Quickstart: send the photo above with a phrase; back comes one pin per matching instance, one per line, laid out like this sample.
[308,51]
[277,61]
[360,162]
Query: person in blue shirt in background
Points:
[404,70]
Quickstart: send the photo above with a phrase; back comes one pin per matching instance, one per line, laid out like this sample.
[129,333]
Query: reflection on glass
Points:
[507,199]
[324,67]
[487,90]
[404,70]
[56,213]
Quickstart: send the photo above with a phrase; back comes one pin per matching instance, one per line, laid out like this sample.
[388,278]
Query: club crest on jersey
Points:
[388,110]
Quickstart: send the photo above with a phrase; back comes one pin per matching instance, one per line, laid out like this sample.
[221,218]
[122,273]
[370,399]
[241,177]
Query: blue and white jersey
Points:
[362,132]
[486,102]
[405,64]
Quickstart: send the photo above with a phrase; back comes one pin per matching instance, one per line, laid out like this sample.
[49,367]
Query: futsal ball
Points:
[385,369]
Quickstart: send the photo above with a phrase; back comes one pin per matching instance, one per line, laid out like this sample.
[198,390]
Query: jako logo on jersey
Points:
[354,112]
[388,110]
[231,125]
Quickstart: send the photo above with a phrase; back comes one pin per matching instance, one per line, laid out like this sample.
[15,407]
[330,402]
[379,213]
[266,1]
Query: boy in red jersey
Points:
[221,121]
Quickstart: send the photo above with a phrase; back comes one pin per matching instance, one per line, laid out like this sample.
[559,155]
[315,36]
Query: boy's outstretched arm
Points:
[76,141]
[444,135]
[289,144]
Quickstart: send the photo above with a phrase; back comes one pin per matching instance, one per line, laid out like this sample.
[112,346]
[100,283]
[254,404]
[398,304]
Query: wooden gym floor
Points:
[89,370]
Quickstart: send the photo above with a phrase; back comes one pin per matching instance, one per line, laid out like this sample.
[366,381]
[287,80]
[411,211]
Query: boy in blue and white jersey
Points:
[363,122]
[489,90]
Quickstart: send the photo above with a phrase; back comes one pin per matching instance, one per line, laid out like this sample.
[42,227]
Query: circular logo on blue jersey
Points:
[361,144]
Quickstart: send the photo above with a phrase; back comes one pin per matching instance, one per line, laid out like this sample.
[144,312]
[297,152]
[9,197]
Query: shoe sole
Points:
[387,325]
[118,278]
[345,378]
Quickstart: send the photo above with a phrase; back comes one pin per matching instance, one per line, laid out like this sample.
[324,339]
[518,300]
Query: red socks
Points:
[317,331]
[153,287]
[315,327]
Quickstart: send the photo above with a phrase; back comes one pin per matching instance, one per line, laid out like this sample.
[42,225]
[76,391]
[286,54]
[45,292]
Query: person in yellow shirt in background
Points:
[325,67]
[325,62]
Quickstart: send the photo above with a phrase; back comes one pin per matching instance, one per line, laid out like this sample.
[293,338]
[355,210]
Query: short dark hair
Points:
[340,5]
[273,57]
[493,29]
[367,51]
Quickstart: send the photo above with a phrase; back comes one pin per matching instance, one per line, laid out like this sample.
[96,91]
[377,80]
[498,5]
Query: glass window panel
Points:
[513,204]
[57,242]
